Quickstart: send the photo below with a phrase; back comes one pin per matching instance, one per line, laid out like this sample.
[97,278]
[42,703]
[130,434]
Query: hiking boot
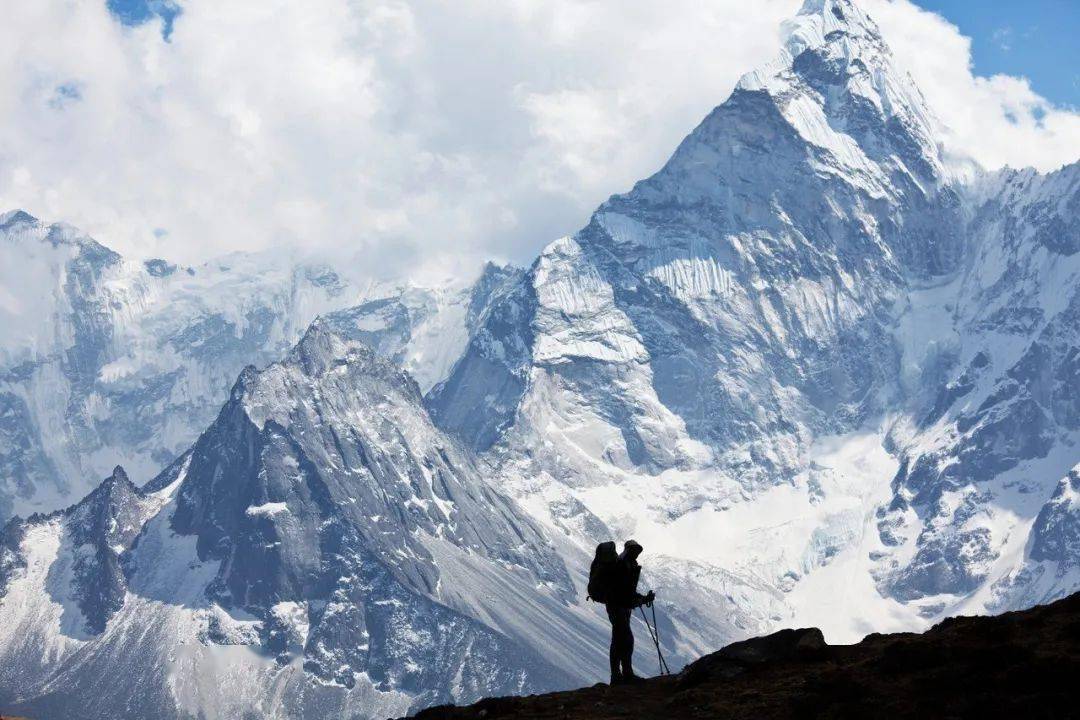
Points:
[632,679]
[616,679]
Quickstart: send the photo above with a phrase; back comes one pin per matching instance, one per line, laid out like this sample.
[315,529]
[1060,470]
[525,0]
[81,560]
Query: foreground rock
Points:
[1020,664]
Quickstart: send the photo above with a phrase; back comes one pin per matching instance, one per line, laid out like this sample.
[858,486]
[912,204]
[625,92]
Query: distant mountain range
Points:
[107,361]
[825,373]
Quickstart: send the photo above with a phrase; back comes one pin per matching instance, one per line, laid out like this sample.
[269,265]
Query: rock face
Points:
[998,431]
[101,528]
[323,525]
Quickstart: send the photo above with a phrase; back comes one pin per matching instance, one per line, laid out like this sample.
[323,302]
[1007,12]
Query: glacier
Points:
[825,372]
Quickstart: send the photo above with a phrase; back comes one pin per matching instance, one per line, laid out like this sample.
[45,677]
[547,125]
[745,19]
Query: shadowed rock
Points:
[1020,664]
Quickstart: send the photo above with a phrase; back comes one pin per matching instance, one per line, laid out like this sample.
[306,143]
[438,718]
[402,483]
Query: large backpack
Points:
[602,572]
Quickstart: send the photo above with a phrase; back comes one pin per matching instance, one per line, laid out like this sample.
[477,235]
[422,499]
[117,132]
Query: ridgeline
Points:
[1020,664]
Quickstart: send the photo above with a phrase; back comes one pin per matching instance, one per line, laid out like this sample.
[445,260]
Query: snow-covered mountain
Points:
[105,360]
[321,549]
[981,508]
[824,372]
[811,349]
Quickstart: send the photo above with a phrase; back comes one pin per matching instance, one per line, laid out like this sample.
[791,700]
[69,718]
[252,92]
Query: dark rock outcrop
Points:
[1020,664]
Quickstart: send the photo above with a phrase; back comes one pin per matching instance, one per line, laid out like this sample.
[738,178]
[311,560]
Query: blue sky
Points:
[1036,39]
[136,12]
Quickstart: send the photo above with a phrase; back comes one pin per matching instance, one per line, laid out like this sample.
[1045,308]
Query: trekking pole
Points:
[656,636]
[656,640]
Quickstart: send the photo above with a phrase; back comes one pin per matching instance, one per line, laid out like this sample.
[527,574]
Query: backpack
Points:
[602,572]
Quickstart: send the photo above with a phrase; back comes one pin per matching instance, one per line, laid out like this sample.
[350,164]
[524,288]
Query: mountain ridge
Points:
[1015,664]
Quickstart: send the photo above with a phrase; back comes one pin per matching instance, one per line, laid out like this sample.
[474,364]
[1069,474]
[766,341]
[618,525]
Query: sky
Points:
[421,137]
[1036,39]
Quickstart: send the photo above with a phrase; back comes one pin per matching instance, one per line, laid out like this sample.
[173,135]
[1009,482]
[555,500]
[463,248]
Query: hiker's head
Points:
[632,549]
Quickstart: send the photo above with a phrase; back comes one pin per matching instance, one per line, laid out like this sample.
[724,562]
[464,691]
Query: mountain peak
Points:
[839,14]
[103,526]
[321,348]
[831,21]
[20,226]
[16,217]
[834,45]
[836,83]
[114,494]
[119,475]
[325,359]
[837,28]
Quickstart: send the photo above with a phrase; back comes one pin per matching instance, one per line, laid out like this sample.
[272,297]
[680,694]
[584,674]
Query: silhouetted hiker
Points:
[613,581]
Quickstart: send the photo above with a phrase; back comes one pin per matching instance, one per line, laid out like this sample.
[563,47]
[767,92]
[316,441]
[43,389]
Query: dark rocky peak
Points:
[101,529]
[321,349]
[494,282]
[326,355]
[109,515]
[329,456]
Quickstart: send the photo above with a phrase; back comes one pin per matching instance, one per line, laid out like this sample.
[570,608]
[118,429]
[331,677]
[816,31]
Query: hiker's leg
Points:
[615,650]
[627,645]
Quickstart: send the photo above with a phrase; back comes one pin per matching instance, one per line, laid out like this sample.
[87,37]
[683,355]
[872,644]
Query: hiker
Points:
[613,581]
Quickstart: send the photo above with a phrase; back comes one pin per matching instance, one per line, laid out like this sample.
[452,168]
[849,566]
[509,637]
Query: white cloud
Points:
[1003,38]
[408,132]
[998,120]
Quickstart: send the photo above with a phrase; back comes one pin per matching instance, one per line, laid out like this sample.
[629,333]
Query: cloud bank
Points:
[412,136]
